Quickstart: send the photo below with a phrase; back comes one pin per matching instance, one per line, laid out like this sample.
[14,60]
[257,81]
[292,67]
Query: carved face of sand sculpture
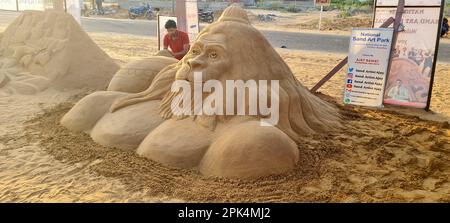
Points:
[209,55]
[232,146]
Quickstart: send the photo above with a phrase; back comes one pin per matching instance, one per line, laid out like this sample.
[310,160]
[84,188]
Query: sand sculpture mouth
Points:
[234,146]
[49,49]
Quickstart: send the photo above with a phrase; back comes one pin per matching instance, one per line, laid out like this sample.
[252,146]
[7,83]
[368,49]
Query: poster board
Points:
[192,25]
[322,2]
[161,30]
[415,53]
[368,63]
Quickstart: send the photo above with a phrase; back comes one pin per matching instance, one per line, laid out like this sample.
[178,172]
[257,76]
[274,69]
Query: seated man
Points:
[177,40]
[445,27]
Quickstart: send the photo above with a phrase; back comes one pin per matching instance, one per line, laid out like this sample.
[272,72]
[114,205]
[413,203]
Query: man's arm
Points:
[166,42]
[185,40]
[183,52]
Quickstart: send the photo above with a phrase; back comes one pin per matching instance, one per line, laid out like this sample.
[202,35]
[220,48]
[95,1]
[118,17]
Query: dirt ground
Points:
[381,156]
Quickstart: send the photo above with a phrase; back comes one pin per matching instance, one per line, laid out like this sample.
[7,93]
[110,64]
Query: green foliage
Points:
[347,4]
[292,8]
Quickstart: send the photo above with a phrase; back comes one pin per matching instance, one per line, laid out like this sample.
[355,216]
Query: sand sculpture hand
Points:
[158,88]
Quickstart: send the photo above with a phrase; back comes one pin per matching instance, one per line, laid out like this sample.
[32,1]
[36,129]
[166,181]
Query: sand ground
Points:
[382,156]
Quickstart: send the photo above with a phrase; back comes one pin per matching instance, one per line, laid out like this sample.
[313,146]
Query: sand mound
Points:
[43,49]
[381,157]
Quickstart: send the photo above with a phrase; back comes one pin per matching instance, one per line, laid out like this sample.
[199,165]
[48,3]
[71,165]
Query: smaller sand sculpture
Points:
[42,49]
[234,146]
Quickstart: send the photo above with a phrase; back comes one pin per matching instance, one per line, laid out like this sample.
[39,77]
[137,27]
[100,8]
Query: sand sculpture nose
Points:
[195,63]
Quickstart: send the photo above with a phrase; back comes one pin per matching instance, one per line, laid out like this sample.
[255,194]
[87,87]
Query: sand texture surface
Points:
[381,156]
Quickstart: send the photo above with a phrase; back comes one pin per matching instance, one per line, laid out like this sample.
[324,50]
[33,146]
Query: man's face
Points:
[399,83]
[171,31]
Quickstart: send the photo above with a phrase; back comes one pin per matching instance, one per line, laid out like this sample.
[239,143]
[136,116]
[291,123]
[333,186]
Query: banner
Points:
[412,67]
[192,27]
[368,63]
[8,4]
[410,3]
[162,30]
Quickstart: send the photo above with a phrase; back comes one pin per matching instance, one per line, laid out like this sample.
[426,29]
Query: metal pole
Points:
[320,18]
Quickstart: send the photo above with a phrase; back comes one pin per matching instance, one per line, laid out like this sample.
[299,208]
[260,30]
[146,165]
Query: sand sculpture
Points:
[42,49]
[233,146]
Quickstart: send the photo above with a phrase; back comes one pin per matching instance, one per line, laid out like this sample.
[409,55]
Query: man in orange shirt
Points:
[177,40]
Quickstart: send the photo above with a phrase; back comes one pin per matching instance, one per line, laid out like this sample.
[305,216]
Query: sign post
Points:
[321,3]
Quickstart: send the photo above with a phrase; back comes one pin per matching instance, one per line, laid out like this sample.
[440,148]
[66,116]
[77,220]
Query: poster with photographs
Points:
[162,30]
[410,2]
[410,78]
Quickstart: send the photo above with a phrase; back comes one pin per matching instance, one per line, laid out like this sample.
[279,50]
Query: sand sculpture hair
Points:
[227,146]
[43,49]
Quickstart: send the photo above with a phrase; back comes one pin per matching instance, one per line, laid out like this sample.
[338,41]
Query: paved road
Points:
[292,40]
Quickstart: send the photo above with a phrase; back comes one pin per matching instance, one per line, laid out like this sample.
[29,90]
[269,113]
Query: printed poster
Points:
[368,63]
[192,27]
[409,80]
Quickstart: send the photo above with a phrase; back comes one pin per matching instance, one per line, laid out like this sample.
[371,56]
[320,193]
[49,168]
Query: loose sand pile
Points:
[383,156]
[43,49]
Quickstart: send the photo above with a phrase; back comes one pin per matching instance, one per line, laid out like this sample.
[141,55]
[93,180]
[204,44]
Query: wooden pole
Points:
[159,34]
[320,17]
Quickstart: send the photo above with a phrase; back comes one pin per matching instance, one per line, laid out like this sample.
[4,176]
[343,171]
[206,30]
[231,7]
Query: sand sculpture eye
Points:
[195,51]
[213,55]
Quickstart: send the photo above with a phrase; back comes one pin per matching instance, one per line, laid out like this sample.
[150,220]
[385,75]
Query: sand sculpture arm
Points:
[158,88]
